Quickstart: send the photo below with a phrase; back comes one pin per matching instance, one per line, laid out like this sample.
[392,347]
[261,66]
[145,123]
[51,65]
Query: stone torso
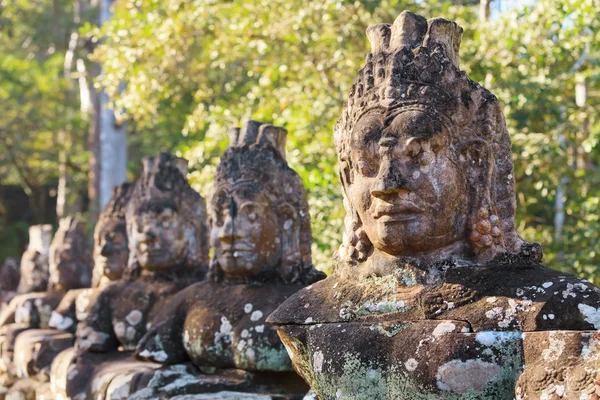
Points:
[225,326]
[123,310]
[465,338]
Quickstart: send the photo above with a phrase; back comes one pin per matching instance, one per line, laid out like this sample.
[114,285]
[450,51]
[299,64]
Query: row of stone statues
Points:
[433,293]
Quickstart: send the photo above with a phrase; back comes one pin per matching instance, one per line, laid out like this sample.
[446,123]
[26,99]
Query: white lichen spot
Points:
[472,375]
[256,315]
[260,328]
[411,364]
[308,320]
[120,329]
[318,359]
[443,328]
[546,285]
[250,354]
[130,334]
[591,314]
[248,308]
[134,317]
[159,356]
[245,333]
[224,333]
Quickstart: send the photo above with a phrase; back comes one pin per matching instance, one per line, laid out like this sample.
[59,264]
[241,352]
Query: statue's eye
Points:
[250,211]
[368,167]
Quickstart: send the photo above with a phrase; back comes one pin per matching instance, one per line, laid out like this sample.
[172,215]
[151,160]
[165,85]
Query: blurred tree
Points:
[38,116]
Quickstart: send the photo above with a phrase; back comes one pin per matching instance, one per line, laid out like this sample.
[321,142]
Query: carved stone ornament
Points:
[34,262]
[168,250]
[261,236]
[70,268]
[35,350]
[433,292]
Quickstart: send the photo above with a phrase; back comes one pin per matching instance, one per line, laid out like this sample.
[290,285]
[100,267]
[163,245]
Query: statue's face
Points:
[245,233]
[34,270]
[407,186]
[110,249]
[66,266]
[158,238]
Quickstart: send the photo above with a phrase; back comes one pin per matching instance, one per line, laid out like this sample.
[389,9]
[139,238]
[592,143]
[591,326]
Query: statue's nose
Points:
[228,232]
[390,179]
[107,249]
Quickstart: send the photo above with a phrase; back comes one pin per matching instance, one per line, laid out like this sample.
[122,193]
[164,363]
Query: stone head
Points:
[424,152]
[260,223]
[9,274]
[166,221]
[70,257]
[34,262]
[111,251]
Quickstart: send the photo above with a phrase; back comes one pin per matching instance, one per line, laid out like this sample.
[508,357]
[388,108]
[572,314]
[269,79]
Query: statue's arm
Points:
[7,316]
[95,333]
[64,316]
[163,343]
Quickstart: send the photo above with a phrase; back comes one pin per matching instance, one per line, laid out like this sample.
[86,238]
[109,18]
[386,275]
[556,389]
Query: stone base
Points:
[184,381]
[36,348]
[443,360]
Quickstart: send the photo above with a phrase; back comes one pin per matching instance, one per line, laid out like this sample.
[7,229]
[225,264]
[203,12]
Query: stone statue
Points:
[433,294]
[36,349]
[168,250]
[70,268]
[10,274]
[261,237]
[31,274]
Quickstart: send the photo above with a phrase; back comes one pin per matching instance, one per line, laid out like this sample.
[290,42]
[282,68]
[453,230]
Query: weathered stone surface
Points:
[35,349]
[32,272]
[168,245]
[70,268]
[433,294]
[260,233]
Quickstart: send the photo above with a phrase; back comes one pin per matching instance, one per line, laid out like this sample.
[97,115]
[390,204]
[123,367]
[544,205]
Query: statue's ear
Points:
[290,242]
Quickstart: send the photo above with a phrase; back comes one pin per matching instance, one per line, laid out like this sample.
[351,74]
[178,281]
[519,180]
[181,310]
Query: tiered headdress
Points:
[255,162]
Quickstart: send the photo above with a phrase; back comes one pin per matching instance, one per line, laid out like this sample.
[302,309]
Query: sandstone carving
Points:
[433,294]
[36,349]
[168,246]
[261,237]
[69,268]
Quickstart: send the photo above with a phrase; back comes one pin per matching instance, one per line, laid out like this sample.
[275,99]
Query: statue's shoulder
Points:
[316,303]
[523,298]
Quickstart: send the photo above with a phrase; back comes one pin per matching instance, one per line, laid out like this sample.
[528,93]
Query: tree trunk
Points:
[112,135]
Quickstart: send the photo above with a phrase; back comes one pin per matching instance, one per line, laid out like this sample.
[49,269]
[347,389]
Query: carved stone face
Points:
[65,267]
[34,271]
[158,237]
[407,188]
[245,233]
[110,250]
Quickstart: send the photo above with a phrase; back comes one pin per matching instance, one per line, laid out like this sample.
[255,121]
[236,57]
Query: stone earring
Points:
[485,231]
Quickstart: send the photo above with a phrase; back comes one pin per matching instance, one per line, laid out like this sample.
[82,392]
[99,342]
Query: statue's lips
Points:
[403,212]
[236,250]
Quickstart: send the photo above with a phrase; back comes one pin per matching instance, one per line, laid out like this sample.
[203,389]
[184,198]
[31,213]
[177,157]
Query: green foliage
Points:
[194,68]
